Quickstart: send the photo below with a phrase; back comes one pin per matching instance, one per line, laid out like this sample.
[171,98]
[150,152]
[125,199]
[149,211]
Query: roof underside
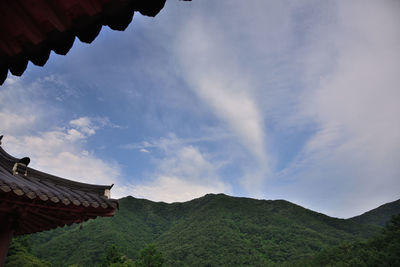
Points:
[36,216]
[39,201]
[31,29]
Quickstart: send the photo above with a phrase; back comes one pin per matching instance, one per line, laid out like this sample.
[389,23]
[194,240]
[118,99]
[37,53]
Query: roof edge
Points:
[85,23]
[53,178]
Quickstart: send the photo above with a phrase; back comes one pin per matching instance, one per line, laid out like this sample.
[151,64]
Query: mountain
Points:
[381,250]
[208,231]
[380,215]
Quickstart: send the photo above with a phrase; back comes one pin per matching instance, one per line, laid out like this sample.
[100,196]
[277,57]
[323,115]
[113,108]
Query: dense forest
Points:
[216,230]
[381,250]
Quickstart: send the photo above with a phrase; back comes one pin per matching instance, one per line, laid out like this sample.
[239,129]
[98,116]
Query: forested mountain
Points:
[380,250]
[214,230]
[380,215]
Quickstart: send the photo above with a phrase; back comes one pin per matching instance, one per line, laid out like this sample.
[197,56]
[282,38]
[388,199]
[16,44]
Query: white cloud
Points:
[56,152]
[213,71]
[189,163]
[143,150]
[183,173]
[85,125]
[13,122]
[355,105]
[333,65]
[18,109]
[56,149]
[74,135]
[173,189]
[172,140]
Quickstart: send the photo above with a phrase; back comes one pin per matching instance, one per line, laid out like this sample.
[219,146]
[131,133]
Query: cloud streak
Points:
[171,139]
[211,69]
[354,105]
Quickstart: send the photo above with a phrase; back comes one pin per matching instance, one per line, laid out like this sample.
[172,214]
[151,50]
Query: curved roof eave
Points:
[30,30]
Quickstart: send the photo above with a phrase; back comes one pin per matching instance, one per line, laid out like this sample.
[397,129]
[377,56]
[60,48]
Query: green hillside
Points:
[213,230]
[380,215]
[380,250]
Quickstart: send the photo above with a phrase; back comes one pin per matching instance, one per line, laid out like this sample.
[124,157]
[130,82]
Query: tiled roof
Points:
[31,29]
[39,201]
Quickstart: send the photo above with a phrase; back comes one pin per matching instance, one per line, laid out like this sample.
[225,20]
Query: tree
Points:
[112,256]
[19,255]
[150,257]
[125,264]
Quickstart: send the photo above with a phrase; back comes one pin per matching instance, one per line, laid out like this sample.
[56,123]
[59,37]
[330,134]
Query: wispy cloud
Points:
[354,105]
[181,174]
[85,126]
[212,70]
[172,140]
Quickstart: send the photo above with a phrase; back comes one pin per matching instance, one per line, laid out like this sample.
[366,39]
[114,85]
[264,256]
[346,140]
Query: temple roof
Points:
[31,29]
[39,201]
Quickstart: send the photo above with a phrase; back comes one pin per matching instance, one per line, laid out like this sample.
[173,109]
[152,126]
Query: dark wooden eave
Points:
[40,201]
[31,29]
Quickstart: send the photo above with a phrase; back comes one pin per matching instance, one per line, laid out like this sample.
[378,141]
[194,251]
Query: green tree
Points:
[112,256]
[150,257]
[19,255]
[25,260]
[124,264]
[382,250]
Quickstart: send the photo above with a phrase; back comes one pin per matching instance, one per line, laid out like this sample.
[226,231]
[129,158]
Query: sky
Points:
[294,100]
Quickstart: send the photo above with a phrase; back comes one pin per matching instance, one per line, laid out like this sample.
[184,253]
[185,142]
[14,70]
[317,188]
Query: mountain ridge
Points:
[213,229]
[380,215]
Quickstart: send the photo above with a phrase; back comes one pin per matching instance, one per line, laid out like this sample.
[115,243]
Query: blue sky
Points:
[265,99]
